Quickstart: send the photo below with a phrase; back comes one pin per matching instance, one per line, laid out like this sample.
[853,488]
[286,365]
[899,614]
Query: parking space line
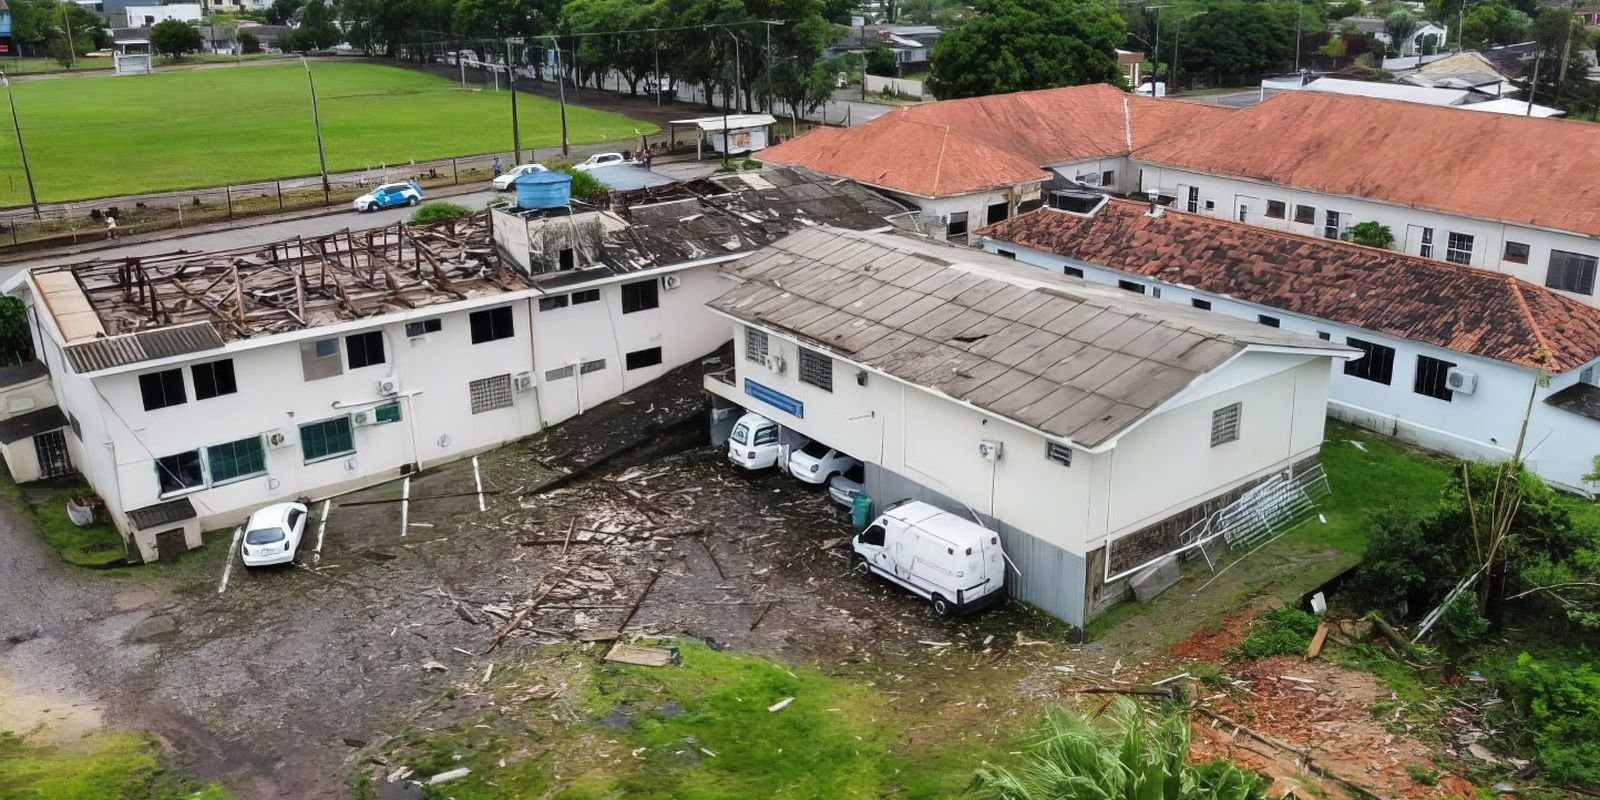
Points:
[478,479]
[227,569]
[405,504]
[322,527]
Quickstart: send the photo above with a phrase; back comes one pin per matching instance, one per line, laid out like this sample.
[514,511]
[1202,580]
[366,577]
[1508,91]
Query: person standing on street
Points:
[111,227]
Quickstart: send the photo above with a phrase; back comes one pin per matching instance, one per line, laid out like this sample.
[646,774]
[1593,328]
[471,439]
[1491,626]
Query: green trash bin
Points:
[861,511]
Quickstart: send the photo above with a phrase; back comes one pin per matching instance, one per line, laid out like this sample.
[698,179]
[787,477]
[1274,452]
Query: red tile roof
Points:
[1493,166]
[1459,308]
[957,146]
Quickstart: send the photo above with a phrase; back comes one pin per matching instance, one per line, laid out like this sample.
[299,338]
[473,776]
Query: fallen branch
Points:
[1303,752]
[1143,691]
[413,499]
[639,601]
[522,613]
[761,615]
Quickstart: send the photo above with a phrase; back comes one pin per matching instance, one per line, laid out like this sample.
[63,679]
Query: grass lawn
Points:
[104,135]
[105,766]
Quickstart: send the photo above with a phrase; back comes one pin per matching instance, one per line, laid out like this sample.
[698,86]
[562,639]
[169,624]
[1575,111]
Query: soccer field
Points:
[98,136]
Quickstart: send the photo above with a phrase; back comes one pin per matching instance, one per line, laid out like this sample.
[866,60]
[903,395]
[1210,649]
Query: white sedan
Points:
[603,160]
[273,535]
[503,181]
[817,463]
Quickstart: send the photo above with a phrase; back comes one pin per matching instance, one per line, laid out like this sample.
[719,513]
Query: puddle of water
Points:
[55,719]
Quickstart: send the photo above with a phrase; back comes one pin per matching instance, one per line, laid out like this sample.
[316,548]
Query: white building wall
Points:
[1125,179]
[1226,196]
[1482,425]
[976,205]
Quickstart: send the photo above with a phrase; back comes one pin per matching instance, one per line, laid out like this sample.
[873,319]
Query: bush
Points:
[1563,707]
[1460,627]
[1408,565]
[249,42]
[586,187]
[176,38]
[439,212]
[1372,234]
[1284,632]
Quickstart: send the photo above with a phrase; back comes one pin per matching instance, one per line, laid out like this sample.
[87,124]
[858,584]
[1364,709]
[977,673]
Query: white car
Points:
[757,442]
[603,160]
[273,535]
[818,463]
[389,195]
[844,487]
[503,181]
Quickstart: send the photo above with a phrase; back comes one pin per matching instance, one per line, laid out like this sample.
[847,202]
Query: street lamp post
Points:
[27,173]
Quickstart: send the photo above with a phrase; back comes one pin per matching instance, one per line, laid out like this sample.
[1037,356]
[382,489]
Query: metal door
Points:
[51,447]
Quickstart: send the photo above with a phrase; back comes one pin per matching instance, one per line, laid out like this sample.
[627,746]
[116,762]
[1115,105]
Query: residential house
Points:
[234,6]
[190,389]
[1473,70]
[1451,354]
[910,44]
[1095,429]
[1466,98]
[1484,190]
[1131,63]
[148,16]
[1428,36]
[971,162]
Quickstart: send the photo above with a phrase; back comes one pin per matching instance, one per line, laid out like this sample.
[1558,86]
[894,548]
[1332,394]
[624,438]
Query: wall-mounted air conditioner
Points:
[1461,382]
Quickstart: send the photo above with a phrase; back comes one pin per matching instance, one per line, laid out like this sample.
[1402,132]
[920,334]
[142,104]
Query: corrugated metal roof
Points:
[161,514]
[22,373]
[40,420]
[117,351]
[1074,360]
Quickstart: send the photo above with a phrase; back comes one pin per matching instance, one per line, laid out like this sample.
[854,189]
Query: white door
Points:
[1248,209]
[1419,241]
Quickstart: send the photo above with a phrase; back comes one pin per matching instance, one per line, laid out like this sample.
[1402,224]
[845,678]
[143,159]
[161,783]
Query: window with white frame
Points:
[755,345]
[816,369]
[490,393]
[1225,425]
[1458,248]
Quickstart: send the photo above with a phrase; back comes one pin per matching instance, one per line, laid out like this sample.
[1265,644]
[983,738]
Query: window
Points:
[388,412]
[873,535]
[955,226]
[591,366]
[1131,286]
[320,359]
[998,212]
[326,439]
[585,296]
[1516,252]
[213,379]
[552,303]
[180,472]
[1192,202]
[565,259]
[1324,336]
[423,327]
[755,345]
[1458,248]
[1108,178]
[639,359]
[364,349]
[558,374]
[1305,215]
[1433,378]
[767,435]
[77,428]
[1155,291]
[1571,272]
[1072,272]
[1330,226]
[1225,425]
[490,393]
[1376,363]
[1203,305]
[491,324]
[1277,209]
[1426,248]
[162,389]
[640,296]
[1271,322]
[816,369]
[239,459]
[1058,453]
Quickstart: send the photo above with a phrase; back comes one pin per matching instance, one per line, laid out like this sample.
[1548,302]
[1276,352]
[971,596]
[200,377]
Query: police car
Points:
[389,195]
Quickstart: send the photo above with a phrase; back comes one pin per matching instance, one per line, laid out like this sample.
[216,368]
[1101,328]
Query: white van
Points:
[956,564]
[757,442]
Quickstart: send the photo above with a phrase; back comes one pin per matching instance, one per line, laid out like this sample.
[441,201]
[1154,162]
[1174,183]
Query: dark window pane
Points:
[179,472]
[585,296]
[1203,305]
[643,358]
[1271,322]
[213,379]
[1376,365]
[1432,378]
[364,349]
[491,324]
[162,389]
[640,296]
[1132,286]
[423,327]
[1571,272]
[552,303]
[236,459]
[326,438]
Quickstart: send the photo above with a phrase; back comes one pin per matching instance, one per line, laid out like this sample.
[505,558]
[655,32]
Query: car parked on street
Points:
[389,195]
[272,536]
[504,181]
[603,160]
[844,487]
[954,563]
[757,442]
[818,463]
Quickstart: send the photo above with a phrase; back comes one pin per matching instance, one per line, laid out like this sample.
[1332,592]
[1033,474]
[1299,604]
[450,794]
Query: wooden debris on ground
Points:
[623,653]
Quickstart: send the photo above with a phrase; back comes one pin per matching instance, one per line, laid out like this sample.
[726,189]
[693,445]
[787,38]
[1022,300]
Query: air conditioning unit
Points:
[524,381]
[989,449]
[389,387]
[671,281]
[774,363]
[277,440]
[362,419]
[1461,382]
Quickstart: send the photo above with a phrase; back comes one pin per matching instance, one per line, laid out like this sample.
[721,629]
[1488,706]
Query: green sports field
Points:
[104,135]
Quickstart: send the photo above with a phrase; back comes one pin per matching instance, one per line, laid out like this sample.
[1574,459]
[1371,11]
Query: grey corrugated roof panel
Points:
[22,373]
[132,348]
[34,422]
[1074,360]
[159,514]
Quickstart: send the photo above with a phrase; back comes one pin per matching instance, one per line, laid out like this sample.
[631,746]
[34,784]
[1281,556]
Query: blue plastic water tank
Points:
[544,190]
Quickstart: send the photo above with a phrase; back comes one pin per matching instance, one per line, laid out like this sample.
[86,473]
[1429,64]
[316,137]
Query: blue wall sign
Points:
[775,398]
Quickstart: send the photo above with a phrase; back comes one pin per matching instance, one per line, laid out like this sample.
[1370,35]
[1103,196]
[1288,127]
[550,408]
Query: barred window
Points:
[1225,425]
[1377,365]
[755,345]
[1058,453]
[816,369]
[557,374]
[489,394]
[592,366]
[1433,376]
[639,359]
[236,459]
[423,327]
[1458,248]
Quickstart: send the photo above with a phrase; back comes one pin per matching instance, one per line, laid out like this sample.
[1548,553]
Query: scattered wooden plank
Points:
[623,653]
[1141,691]
[1317,640]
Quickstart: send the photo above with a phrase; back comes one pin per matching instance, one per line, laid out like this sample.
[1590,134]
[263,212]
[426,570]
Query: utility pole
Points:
[316,122]
[738,74]
[561,91]
[1533,87]
[27,173]
[1155,57]
[1461,25]
[1297,41]
[656,34]
[516,128]
[768,23]
[72,52]
[1566,53]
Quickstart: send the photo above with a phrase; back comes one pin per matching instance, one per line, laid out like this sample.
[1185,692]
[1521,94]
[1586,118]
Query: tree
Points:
[1558,32]
[249,42]
[1123,757]
[1372,234]
[316,31]
[1400,25]
[881,61]
[1237,41]
[16,344]
[176,38]
[1017,45]
[281,11]
[1494,22]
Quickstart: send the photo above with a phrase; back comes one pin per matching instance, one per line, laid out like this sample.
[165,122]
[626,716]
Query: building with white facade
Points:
[1096,430]
[1451,354]
[148,16]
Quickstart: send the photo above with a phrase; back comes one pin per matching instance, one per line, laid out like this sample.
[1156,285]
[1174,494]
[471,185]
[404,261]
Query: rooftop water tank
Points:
[544,190]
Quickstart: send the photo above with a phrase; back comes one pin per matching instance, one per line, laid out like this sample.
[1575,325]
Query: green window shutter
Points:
[388,413]
[236,459]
